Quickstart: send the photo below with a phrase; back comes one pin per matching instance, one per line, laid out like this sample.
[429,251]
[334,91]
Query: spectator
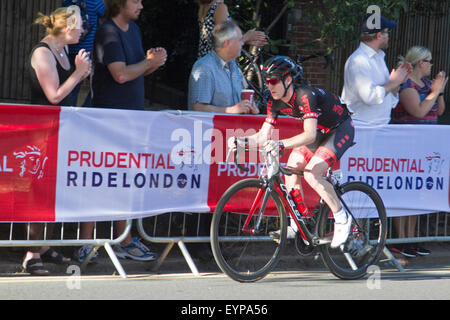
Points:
[52,79]
[215,83]
[120,64]
[92,10]
[421,102]
[370,92]
[211,13]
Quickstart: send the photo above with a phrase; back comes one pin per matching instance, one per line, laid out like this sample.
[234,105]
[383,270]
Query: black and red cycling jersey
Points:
[309,102]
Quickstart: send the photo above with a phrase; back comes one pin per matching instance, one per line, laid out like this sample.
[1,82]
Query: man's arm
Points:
[124,73]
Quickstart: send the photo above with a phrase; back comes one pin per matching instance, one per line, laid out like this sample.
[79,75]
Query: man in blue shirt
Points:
[120,62]
[215,83]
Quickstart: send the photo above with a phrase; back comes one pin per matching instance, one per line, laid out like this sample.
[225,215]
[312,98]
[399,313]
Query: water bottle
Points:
[296,195]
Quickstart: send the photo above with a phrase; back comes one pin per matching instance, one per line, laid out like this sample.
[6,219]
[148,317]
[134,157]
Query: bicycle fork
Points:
[256,229]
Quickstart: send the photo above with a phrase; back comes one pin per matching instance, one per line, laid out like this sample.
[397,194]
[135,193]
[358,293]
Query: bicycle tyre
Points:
[364,246]
[247,257]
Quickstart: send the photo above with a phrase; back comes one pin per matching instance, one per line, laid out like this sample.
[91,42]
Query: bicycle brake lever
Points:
[239,149]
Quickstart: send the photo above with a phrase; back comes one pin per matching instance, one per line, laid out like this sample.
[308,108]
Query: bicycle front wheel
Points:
[243,250]
[367,236]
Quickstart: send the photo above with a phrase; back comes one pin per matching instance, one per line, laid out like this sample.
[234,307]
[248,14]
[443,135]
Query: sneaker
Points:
[422,251]
[409,252]
[396,249]
[82,253]
[291,233]
[341,232]
[135,250]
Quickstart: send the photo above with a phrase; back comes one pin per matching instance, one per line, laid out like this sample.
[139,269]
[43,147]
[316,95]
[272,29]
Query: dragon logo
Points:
[32,161]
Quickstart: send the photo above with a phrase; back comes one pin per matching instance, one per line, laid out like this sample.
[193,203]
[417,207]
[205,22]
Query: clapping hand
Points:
[255,38]
[401,74]
[439,83]
[83,63]
[158,56]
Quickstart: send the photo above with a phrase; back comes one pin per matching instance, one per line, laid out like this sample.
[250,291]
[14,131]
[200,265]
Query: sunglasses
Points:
[429,61]
[272,81]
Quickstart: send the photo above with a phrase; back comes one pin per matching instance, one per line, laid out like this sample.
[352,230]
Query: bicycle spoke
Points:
[243,255]
[367,235]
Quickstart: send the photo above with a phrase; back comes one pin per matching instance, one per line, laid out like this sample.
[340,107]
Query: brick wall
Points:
[300,35]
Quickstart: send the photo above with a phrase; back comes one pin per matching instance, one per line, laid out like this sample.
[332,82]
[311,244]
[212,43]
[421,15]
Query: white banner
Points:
[407,164]
[88,164]
[115,163]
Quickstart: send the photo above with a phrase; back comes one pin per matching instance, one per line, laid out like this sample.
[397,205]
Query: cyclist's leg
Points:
[297,161]
[328,152]
[314,172]
[325,156]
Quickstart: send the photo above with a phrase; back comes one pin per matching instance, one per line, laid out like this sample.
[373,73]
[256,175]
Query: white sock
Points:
[340,216]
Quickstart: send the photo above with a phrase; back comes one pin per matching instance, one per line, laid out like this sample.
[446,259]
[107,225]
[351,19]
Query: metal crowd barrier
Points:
[68,238]
[181,228]
[171,229]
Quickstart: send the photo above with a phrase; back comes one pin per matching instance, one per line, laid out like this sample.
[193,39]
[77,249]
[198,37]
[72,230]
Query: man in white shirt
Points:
[370,92]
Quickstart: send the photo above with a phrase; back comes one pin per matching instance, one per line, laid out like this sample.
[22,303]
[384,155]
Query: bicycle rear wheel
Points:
[243,255]
[367,236]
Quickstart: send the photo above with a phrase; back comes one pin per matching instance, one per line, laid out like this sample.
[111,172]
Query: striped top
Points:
[401,116]
[95,9]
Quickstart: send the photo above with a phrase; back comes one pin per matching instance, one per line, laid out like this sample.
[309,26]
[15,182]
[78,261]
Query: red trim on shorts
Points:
[326,154]
[304,151]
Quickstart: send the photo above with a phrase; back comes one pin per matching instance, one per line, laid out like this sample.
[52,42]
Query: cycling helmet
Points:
[281,66]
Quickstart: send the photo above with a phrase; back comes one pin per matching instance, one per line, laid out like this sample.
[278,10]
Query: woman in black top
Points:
[51,75]
[52,79]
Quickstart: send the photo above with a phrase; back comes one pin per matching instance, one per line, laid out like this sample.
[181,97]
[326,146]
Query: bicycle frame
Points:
[277,185]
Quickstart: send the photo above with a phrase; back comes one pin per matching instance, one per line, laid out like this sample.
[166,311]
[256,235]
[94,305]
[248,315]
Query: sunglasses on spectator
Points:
[429,61]
[272,81]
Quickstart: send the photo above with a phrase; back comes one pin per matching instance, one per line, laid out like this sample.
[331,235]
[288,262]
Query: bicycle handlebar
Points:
[273,161]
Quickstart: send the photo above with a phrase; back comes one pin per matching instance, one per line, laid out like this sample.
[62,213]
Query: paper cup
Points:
[247,94]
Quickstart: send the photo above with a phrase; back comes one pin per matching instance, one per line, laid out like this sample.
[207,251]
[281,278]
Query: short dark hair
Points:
[113,7]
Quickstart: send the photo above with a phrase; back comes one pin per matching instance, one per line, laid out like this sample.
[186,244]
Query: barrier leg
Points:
[188,258]
[114,260]
[163,256]
[392,259]
[88,258]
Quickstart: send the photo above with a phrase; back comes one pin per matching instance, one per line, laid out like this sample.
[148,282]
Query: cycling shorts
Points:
[330,146]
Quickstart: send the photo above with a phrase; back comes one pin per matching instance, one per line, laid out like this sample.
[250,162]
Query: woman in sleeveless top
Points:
[421,102]
[51,75]
[52,79]
[212,12]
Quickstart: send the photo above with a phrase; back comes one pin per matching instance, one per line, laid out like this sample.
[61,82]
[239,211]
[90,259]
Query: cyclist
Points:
[327,133]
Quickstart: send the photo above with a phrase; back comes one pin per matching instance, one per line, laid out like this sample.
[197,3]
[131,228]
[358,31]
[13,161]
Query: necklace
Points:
[61,54]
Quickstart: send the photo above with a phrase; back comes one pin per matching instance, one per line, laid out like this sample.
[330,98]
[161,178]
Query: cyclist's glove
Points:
[274,147]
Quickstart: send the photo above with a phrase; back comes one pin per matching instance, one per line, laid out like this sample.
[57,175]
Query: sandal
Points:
[33,269]
[53,256]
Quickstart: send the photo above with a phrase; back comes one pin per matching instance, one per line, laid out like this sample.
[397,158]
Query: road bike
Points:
[253,210]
